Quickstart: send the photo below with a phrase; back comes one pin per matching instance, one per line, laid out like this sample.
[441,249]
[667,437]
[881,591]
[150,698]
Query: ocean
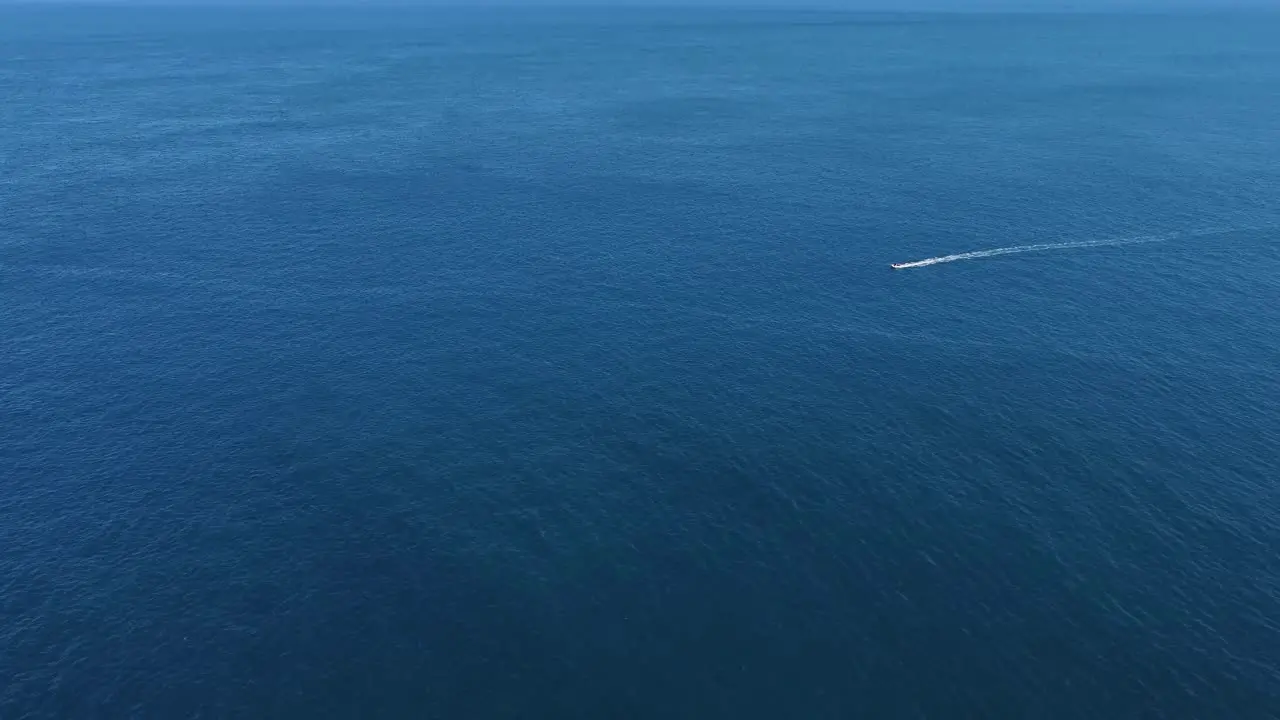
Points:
[395,363]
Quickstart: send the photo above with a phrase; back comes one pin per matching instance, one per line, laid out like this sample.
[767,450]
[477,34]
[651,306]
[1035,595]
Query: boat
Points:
[897,266]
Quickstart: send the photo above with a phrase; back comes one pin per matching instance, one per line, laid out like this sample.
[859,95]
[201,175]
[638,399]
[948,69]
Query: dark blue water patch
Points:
[430,365]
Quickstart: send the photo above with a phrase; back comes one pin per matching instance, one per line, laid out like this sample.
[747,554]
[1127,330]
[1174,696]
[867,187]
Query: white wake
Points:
[1017,249]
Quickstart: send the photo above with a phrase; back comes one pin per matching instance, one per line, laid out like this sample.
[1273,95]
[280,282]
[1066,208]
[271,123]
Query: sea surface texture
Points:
[407,364]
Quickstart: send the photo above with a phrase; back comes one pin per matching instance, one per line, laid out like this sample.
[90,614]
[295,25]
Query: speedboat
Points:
[897,266]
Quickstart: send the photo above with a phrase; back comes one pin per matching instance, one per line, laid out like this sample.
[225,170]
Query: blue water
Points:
[405,364]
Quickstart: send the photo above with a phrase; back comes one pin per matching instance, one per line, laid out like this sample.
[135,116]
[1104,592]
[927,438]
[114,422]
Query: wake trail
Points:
[1110,242]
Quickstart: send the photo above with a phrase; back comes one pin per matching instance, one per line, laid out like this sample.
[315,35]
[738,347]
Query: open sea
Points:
[377,363]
